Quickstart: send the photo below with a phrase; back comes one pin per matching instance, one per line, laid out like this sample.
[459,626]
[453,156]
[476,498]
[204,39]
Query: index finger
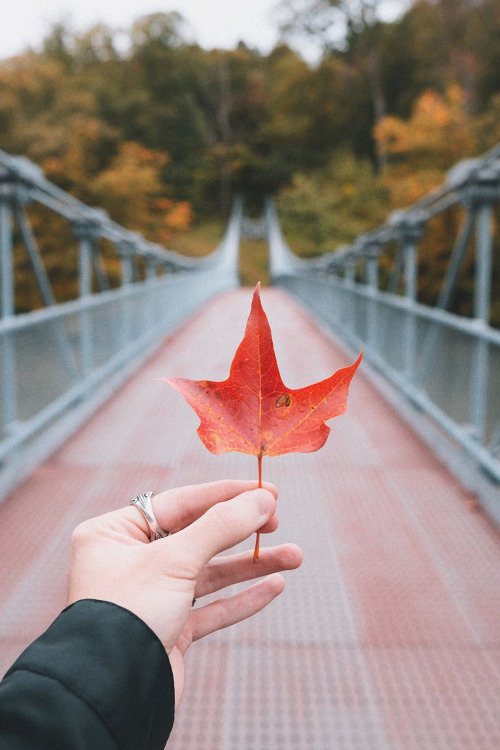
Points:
[177,508]
[223,526]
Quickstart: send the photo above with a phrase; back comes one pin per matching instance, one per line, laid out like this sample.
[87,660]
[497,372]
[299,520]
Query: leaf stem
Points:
[257,541]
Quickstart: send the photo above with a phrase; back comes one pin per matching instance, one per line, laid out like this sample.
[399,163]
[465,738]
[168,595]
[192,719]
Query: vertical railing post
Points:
[151,266]
[346,309]
[6,250]
[8,364]
[127,268]
[86,232]
[480,193]
[372,279]
[154,319]
[409,232]
[126,253]
[349,269]
[484,252]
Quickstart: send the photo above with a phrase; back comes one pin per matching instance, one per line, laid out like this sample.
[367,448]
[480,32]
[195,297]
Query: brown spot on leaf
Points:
[283,400]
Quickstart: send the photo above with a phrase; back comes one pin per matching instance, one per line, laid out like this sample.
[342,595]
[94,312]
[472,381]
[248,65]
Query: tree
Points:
[332,206]
[422,148]
[132,191]
[349,25]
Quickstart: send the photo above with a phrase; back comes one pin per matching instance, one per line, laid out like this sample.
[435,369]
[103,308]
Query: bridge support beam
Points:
[6,253]
[409,233]
[8,358]
[85,232]
[484,253]
[480,195]
[372,278]
[346,310]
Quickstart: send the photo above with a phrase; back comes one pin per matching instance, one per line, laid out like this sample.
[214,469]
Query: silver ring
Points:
[143,503]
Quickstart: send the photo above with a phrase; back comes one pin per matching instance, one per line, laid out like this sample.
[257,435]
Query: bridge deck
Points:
[386,638]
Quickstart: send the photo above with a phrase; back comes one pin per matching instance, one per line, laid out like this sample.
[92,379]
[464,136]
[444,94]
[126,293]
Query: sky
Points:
[211,23]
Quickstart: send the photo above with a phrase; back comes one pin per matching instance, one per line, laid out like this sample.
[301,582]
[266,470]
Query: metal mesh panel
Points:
[447,377]
[45,354]
[447,365]
[106,331]
[68,351]
[359,318]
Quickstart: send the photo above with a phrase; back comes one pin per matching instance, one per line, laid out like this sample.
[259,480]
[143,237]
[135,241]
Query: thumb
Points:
[224,525]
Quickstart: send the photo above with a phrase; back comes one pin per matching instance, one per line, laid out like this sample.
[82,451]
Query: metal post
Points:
[126,250]
[409,230]
[6,250]
[410,264]
[372,280]
[482,302]
[348,306]
[8,367]
[85,258]
[127,269]
[84,232]
[349,273]
[484,248]
[482,192]
[410,261]
[152,319]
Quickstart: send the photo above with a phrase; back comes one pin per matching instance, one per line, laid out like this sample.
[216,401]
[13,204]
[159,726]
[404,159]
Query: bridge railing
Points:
[57,363]
[444,364]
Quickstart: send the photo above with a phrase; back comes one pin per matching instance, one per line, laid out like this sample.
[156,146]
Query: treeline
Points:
[158,131]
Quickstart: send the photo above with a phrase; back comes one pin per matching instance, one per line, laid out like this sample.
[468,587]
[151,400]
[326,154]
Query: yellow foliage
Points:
[421,149]
[130,189]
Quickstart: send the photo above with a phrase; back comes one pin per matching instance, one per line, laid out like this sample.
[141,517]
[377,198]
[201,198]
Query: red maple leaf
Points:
[253,411]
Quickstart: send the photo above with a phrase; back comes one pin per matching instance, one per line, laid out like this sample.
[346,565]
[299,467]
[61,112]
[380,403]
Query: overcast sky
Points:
[212,23]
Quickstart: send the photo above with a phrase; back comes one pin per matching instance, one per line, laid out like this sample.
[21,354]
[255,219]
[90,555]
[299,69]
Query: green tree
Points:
[354,27]
[331,207]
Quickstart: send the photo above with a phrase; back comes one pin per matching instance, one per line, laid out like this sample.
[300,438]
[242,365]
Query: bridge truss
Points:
[444,368]
[58,363]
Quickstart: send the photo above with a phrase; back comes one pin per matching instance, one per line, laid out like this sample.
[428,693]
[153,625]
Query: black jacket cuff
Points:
[114,667]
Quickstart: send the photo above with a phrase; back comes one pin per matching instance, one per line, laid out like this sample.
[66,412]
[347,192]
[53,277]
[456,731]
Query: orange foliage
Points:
[180,216]
[422,148]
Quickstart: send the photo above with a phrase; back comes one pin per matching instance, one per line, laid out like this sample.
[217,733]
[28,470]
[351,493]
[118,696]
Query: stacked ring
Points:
[143,503]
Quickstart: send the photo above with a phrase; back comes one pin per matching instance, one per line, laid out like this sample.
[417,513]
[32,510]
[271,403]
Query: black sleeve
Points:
[97,679]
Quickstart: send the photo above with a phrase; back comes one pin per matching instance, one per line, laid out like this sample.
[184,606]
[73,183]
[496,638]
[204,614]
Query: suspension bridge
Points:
[387,637]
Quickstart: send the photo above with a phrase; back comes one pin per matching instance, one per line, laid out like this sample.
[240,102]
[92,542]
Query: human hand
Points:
[113,560]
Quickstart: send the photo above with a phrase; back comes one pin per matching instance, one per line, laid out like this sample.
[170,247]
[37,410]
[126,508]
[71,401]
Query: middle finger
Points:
[229,569]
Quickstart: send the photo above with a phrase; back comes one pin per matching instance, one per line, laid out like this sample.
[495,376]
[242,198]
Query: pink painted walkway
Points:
[387,638]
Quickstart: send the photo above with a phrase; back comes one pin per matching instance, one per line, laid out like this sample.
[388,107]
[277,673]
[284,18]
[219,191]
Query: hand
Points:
[113,560]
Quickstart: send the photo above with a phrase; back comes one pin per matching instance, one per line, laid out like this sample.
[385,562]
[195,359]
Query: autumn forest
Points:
[163,134]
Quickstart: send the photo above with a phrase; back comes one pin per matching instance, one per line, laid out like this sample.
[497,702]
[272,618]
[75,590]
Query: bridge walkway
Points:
[387,637]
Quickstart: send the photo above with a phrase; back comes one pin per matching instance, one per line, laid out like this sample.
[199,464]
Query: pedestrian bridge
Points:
[387,637]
